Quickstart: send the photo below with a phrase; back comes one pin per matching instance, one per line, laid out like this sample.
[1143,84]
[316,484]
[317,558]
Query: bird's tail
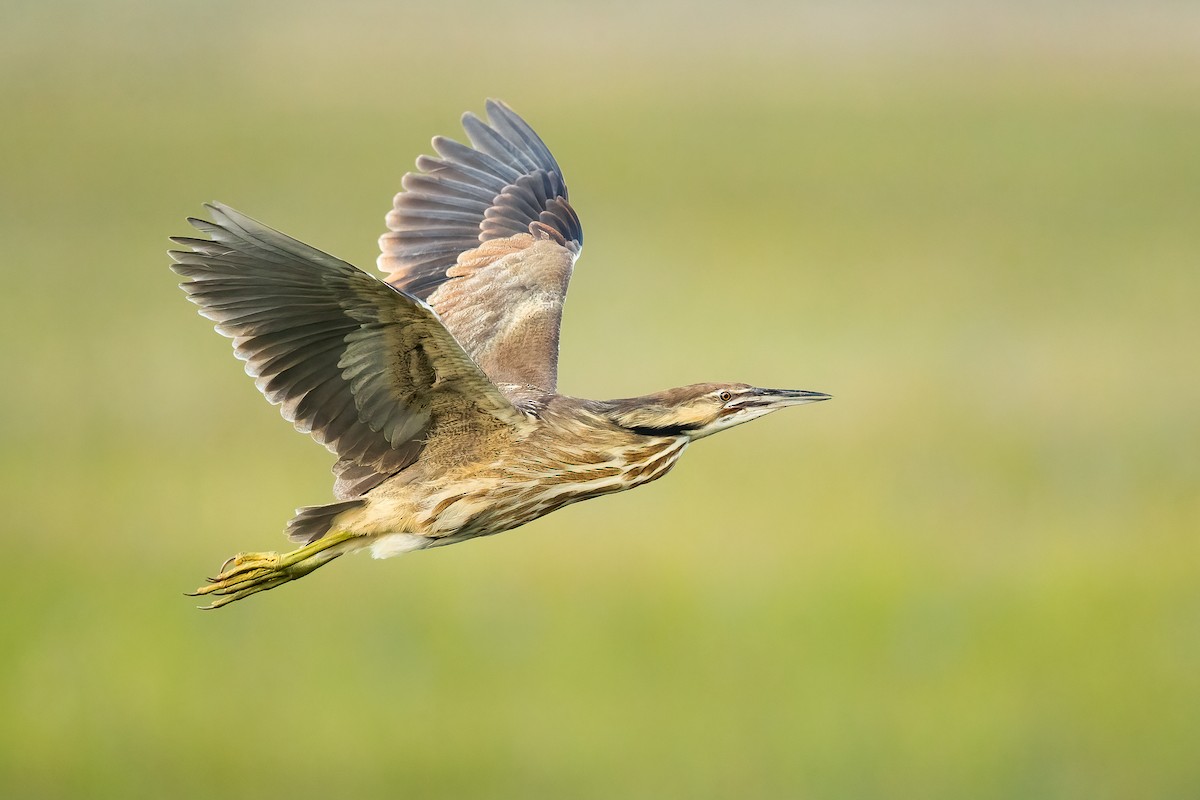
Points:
[313,522]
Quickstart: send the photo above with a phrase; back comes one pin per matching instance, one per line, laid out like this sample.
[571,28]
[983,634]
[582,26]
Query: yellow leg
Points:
[250,573]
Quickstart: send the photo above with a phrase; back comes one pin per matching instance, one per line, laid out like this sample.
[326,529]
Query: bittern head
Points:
[704,408]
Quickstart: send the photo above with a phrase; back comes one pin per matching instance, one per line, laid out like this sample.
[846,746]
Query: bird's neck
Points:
[658,414]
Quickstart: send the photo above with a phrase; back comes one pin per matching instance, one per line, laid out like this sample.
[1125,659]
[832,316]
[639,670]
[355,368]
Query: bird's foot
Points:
[250,573]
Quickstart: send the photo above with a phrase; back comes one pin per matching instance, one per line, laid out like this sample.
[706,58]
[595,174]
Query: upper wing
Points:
[501,301]
[364,369]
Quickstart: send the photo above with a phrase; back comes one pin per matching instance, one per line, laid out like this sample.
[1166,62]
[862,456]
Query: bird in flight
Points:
[436,387]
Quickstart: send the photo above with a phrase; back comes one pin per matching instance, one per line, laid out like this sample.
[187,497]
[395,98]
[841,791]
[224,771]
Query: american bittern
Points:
[435,387]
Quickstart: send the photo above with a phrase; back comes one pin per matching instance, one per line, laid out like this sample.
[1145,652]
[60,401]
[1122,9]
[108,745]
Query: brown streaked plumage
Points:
[437,388]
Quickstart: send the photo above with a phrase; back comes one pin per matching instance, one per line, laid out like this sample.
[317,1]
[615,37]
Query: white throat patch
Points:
[730,421]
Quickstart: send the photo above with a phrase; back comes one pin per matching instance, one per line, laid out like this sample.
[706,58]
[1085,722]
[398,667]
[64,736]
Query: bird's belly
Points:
[512,495]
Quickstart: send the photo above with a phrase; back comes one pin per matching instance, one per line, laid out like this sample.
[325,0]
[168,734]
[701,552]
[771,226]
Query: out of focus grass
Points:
[973,574]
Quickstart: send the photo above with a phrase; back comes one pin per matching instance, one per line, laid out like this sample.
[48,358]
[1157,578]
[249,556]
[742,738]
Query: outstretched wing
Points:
[486,235]
[363,368]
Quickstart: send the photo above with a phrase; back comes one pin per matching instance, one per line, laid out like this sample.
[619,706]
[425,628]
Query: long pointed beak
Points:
[781,398]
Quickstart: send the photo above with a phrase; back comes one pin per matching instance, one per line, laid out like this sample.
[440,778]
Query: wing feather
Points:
[364,369]
[504,309]
[504,152]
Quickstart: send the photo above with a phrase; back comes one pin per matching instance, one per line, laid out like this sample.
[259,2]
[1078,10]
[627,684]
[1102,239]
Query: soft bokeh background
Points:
[975,573]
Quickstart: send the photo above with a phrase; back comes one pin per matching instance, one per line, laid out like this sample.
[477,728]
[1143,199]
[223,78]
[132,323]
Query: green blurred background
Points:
[974,574]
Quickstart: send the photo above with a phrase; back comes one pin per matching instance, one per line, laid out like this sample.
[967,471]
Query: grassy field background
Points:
[975,573]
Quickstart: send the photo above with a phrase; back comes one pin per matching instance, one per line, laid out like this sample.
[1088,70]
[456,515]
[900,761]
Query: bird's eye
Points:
[725,397]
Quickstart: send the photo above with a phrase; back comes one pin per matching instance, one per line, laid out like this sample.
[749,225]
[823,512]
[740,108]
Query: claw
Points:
[250,573]
[246,592]
[248,562]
